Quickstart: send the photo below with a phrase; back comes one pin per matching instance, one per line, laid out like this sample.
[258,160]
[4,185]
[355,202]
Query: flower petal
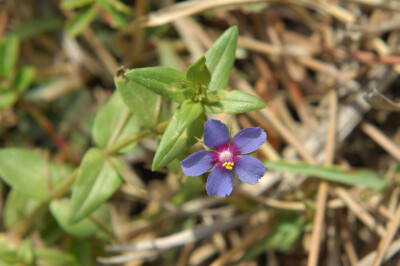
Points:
[216,134]
[198,163]
[248,169]
[249,139]
[220,182]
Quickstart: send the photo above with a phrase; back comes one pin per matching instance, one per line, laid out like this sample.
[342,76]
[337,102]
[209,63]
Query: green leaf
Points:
[29,173]
[81,20]
[17,207]
[118,20]
[61,211]
[139,99]
[120,6]
[195,130]
[286,234]
[114,122]
[232,102]
[24,78]
[26,252]
[168,56]
[8,251]
[53,257]
[174,166]
[37,25]
[7,98]
[71,4]
[83,250]
[220,58]
[8,55]
[362,177]
[174,142]
[283,237]
[14,252]
[164,81]
[188,112]
[198,73]
[97,181]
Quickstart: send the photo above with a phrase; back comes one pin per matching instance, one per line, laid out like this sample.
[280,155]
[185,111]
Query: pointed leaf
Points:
[164,81]
[362,177]
[37,25]
[9,251]
[97,181]
[8,55]
[233,102]
[71,4]
[195,130]
[174,142]
[120,6]
[287,232]
[114,122]
[53,257]
[81,20]
[139,99]
[115,18]
[169,57]
[7,98]
[82,249]
[29,173]
[18,206]
[188,112]
[198,73]
[61,211]
[220,58]
[24,78]
[26,252]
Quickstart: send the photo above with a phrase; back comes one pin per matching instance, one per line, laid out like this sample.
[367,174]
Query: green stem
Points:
[23,226]
[101,225]
[65,185]
[45,124]
[134,138]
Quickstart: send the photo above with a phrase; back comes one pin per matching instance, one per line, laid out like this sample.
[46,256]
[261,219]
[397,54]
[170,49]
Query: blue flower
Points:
[226,156]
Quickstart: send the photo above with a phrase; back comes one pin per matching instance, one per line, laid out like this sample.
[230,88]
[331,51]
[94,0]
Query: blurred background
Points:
[327,71]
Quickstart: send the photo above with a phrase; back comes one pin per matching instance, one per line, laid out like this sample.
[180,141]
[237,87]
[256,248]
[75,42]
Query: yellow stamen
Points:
[228,165]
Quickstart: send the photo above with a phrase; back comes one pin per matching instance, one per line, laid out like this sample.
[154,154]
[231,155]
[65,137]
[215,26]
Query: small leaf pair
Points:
[30,173]
[113,12]
[200,91]
[35,182]
[99,173]
[12,81]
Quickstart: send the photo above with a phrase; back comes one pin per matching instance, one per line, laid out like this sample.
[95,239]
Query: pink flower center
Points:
[226,159]
[225,156]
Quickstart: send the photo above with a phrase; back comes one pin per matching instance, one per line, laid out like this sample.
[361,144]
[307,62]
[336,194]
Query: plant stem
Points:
[23,226]
[45,124]
[134,138]
[65,186]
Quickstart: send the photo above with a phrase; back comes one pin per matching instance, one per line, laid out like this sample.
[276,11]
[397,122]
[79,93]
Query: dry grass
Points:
[325,69]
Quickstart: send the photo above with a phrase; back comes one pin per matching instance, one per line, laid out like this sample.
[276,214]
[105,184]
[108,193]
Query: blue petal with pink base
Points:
[225,157]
